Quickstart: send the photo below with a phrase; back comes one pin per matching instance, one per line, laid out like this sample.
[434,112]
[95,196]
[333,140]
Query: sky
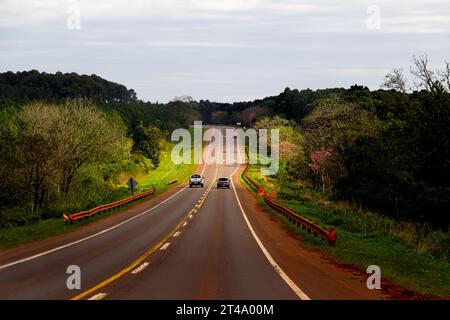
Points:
[223,50]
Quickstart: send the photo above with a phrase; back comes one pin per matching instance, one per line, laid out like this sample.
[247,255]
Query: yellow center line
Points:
[149,252]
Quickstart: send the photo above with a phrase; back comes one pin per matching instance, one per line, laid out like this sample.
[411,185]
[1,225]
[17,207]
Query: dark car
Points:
[223,183]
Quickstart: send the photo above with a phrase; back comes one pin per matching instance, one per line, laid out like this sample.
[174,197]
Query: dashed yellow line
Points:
[150,251]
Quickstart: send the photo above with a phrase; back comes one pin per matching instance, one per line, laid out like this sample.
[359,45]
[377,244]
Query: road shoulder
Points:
[313,271]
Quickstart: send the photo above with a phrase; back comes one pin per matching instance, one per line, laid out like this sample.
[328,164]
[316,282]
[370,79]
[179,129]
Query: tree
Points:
[252,114]
[187,99]
[395,80]
[37,157]
[290,138]
[54,141]
[8,141]
[445,74]
[219,117]
[86,135]
[21,88]
[148,142]
[317,160]
[424,76]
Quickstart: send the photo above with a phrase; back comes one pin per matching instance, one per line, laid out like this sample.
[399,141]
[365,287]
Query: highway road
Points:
[188,243]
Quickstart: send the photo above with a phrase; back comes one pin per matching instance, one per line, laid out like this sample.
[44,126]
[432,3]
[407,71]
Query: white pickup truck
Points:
[196,180]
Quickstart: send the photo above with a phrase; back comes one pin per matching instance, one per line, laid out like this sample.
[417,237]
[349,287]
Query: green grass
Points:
[158,178]
[418,262]
[166,171]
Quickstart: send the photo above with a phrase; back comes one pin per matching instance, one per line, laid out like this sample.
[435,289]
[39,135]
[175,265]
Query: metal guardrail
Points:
[311,226]
[71,218]
[172,182]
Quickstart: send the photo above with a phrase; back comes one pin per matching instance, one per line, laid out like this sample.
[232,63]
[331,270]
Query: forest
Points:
[68,142]
[385,150]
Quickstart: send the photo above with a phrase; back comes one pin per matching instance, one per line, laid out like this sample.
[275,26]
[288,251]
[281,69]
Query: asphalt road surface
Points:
[188,243]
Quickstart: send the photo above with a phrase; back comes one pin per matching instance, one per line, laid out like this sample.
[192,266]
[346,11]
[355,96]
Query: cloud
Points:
[222,49]
[397,16]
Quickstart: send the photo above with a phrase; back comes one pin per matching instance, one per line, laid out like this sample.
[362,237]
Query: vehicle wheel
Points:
[190,186]
[201,185]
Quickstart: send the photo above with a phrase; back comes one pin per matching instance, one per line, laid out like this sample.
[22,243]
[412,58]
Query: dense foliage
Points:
[386,150]
[167,117]
[293,104]
[148,142]
[22,87]
[383,150]
[46,147]
[70,141]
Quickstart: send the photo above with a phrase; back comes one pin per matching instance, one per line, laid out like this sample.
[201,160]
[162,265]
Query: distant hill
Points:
[17,88]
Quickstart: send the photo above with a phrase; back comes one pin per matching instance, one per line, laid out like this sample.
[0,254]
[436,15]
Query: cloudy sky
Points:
[223,50]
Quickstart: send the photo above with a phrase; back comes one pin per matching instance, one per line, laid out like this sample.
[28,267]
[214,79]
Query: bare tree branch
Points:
[445,75]
[426,78]
[395,80]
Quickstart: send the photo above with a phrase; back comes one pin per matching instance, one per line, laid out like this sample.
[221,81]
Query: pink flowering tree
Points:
[316,163]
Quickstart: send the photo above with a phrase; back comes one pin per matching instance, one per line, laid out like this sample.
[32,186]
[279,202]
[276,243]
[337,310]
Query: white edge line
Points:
[238,165]
[93,235]
[98,296]
[165,246]
[89,237]
[299,292]
[140,268]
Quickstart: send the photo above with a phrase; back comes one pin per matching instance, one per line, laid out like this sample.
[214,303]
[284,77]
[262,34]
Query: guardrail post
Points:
[332,236]
[172,181]
[261,191]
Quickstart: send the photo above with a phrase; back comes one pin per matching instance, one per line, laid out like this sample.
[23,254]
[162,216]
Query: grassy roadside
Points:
[421,265]
[158,178]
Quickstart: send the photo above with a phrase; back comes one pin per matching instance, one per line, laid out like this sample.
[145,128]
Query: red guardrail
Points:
[329,235]
[71,218]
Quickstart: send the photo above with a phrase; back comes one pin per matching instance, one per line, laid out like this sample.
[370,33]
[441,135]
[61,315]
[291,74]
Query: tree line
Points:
[19,88]
[386,150]
[67,139]
[293,104]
